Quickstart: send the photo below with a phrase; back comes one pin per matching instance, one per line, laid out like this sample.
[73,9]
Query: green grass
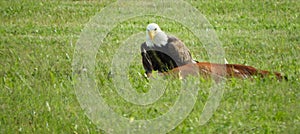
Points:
[37,44]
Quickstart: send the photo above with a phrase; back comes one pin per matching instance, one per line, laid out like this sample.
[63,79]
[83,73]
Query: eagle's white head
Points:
[155,36]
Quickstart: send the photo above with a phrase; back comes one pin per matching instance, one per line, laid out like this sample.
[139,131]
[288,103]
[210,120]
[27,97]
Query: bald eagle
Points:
[161,52]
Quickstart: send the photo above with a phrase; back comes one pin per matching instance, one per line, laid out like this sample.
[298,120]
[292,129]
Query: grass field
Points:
[37,44]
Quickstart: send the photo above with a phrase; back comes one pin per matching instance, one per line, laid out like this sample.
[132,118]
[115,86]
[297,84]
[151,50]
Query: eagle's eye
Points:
[155,29]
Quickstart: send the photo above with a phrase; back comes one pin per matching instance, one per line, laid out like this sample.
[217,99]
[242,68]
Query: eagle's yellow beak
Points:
[151,34]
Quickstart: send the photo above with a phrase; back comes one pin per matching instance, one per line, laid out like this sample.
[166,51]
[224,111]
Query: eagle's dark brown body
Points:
[165,57]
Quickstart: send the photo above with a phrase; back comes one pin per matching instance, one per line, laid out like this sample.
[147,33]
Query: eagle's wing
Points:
[178,51]
[147,64]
